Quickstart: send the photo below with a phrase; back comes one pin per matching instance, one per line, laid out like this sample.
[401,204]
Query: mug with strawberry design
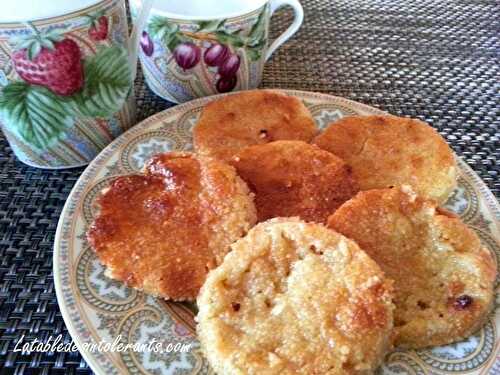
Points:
[193,48]
[65,79]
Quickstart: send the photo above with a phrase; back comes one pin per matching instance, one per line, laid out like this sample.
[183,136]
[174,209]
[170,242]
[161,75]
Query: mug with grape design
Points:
[194,48]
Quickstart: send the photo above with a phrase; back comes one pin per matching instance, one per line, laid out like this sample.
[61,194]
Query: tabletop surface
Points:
[433,60]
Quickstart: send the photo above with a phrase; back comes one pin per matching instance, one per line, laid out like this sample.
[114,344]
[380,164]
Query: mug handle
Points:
[292,29]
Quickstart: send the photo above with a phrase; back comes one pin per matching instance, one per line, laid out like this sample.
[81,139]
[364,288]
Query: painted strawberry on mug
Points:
[98,29]
[49,60]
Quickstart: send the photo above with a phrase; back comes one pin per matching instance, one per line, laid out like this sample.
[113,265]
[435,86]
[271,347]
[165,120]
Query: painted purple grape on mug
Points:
[191,48]
[230,67]
[226,84]
[216,54]
[187,55]
[147,44]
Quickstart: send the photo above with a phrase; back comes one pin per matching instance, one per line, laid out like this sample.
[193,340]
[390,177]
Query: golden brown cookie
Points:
[443,277]
[161,232]
[295,298]
[249,118]
[386,151]
[294,178]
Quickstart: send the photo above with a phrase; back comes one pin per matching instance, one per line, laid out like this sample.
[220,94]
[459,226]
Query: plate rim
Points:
[491,202]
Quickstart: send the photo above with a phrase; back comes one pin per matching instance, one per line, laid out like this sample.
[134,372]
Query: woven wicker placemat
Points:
[434,60]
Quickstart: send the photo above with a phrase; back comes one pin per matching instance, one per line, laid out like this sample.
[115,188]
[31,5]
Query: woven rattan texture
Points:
[435,60]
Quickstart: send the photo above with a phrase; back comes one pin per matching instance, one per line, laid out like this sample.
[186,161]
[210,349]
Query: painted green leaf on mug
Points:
[34,114]
[168,33]
[259,27]
[210,26]
[161,29]
[107,84]
[160,26]
[40,117]
[233,39]
[173,40]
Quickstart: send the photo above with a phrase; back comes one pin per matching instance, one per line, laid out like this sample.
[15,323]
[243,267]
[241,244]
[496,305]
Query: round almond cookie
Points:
[443,277]
[248,118]
[294,178]
[295,298]
[162,232]
[386,151]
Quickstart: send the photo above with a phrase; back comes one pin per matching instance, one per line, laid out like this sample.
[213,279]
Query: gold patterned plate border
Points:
[99,310]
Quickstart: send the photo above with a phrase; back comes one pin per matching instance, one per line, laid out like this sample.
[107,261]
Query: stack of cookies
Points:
[307,253]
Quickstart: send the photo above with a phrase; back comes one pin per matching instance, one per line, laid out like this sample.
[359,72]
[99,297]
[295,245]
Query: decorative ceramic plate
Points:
[98,310]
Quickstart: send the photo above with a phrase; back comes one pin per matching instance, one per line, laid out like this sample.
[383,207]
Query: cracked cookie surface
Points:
[294,178]
[250,118]
[295,298]
[443,276]
[386,151]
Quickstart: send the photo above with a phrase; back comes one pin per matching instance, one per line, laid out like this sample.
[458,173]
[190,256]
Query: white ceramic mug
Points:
[66,75]
[194,48]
